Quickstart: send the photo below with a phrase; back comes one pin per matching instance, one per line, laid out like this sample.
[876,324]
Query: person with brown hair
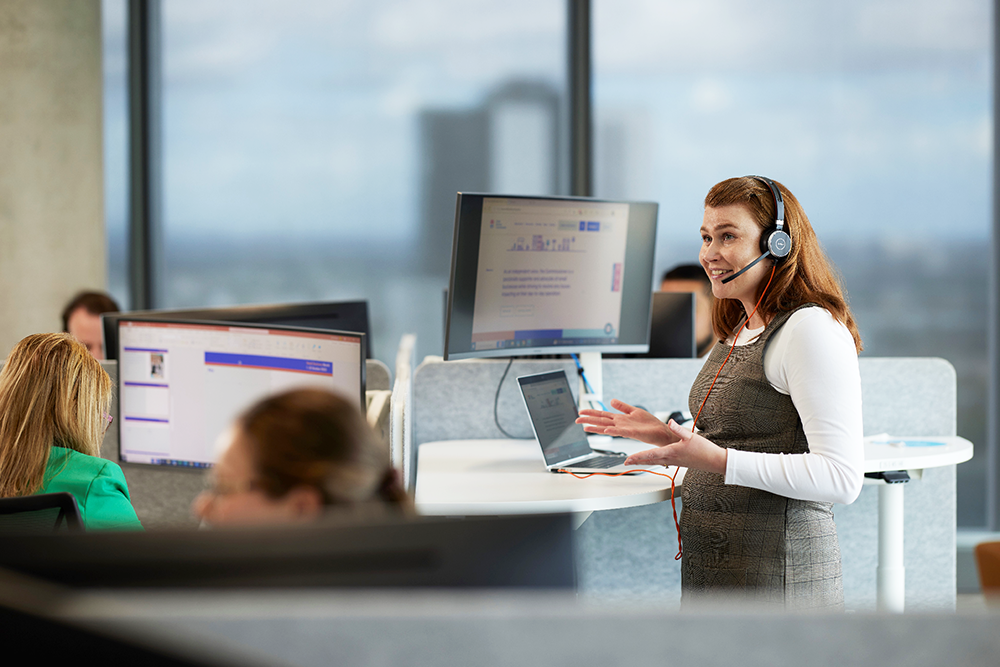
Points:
[54,403]
[778,432]
[293,456]
[82,318]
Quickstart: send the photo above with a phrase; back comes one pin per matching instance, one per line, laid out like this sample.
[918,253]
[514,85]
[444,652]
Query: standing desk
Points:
[891,576]
[487,477]
[475,477]
[629,551]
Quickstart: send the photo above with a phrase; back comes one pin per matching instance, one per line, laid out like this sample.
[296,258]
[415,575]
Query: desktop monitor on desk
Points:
[672,329]
[549,275]
[534,551]
[335,315]
[181,383]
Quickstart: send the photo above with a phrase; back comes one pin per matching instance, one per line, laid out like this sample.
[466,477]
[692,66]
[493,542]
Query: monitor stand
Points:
[592,367]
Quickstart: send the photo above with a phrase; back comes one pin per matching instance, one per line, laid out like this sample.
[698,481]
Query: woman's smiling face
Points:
[730,241]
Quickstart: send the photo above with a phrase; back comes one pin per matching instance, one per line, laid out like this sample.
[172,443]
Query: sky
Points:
[303,115]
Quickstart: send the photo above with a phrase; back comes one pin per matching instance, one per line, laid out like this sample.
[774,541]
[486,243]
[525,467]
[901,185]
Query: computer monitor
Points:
[335,315]
[182,382]
[520,551]
[549,275]
[672,330]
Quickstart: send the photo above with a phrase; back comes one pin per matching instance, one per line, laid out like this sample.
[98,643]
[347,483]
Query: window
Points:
[312,149]
[116,180]
[877,115]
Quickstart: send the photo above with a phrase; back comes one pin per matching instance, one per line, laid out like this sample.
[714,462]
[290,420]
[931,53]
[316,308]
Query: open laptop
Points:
[553,414]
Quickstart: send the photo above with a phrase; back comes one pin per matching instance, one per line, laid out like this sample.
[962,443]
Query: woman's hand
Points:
[690,450]
[634,423]
[675,445]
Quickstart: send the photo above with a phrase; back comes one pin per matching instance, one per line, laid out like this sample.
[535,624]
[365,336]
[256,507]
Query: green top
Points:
[98,486]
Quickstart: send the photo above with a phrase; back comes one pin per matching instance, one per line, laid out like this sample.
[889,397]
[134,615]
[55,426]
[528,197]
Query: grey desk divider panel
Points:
[906,396]
[377,375]
[629,553]
[429,629]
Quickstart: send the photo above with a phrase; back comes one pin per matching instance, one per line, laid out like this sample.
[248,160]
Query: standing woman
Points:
[778,431]
[54,410]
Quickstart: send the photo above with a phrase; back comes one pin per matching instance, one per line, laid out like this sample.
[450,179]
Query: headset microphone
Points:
[745,268]
[775,241]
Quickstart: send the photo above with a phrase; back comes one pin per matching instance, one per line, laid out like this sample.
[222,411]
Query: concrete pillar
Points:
[52,239]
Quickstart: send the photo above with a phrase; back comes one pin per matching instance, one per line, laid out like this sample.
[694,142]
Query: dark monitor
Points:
[182,382]
[523,551]
[549,275]
[335,315]
[672,330]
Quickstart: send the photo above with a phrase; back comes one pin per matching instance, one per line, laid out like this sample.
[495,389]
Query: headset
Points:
[774,241]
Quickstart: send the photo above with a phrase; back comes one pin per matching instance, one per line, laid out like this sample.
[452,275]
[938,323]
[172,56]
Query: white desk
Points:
[891,573]
[476,477]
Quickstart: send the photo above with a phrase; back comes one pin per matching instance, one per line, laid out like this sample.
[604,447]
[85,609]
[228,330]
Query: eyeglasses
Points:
[108,418]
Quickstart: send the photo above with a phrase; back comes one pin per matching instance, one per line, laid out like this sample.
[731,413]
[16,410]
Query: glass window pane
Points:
[116,181]
[877,115]
[313,149]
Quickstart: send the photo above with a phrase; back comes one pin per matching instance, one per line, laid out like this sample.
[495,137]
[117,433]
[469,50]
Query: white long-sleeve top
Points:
[812,359]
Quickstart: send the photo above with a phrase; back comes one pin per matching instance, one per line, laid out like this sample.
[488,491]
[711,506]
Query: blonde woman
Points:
[54,403]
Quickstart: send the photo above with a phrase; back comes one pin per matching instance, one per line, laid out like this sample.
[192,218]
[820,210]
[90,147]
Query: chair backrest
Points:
[988,563]
[42,513]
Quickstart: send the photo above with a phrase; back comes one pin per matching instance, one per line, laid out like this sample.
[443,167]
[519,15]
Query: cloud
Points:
[692,36]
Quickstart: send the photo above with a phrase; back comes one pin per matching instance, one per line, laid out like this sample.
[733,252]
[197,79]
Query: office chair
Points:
[43,513]
[988,564]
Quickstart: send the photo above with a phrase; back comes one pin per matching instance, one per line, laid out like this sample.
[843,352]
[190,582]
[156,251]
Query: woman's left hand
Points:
[689,451]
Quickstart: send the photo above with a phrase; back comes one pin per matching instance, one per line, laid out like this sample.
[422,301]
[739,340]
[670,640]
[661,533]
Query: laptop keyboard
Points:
[599,462]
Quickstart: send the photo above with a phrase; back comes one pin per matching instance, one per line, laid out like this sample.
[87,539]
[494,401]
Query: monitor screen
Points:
[671,333]
[337,315]
[549,275]
[519,551]
[181,383]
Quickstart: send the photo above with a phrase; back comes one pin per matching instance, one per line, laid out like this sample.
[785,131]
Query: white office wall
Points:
[51,198]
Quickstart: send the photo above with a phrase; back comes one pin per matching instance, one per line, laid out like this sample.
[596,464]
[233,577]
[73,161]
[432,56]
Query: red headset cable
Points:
[673,502]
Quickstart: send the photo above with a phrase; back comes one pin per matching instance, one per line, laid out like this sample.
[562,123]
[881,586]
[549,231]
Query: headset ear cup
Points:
[765,239]
[779,244]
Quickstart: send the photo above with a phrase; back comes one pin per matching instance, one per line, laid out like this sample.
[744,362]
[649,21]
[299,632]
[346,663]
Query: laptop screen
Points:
[553,416]
[181,383]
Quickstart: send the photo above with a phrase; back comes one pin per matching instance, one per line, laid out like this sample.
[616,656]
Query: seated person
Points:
[54,402]
[82,319]
[294,456]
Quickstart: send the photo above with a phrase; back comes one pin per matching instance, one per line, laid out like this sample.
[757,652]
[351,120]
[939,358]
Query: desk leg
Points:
[578,518]
[891,595]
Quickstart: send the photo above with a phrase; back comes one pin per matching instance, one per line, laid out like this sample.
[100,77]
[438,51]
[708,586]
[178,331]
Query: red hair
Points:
[805,276]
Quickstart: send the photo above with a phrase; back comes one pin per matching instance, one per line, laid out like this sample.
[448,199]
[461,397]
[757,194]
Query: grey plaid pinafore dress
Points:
[746,544]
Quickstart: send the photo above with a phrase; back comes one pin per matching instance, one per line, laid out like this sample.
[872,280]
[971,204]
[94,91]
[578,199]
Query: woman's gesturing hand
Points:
[676,445]
[690,450]
[631,422]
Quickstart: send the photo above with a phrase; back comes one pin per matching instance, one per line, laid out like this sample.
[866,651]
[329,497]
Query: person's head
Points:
[52,393]
[745,208]
[294,455]
[82,318]
[692,278]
